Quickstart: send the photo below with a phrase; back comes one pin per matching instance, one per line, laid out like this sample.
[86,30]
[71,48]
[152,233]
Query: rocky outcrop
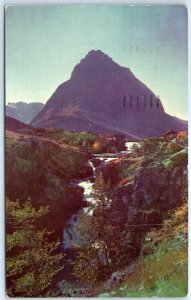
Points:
[156,187]
[42,170]
[154,191]
[148,185]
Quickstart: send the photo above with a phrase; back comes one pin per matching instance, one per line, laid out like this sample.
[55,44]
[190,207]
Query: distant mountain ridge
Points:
[102,96]
[22,111]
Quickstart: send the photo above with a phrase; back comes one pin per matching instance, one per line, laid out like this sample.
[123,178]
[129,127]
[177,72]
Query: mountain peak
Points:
[102,96]
[97,53]
[98,56]
[95,62]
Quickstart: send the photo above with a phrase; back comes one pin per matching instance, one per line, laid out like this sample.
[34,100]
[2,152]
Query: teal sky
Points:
[44,43]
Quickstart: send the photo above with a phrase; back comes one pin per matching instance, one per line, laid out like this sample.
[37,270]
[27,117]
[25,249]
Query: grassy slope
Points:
[164,273]
[85,141]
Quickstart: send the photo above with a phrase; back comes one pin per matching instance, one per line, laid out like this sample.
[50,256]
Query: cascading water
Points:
[70,232]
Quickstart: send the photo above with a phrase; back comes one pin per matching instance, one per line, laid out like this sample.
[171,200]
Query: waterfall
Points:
[70,232]
[90,163]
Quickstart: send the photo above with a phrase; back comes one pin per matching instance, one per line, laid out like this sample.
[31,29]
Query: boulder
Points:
[96,162]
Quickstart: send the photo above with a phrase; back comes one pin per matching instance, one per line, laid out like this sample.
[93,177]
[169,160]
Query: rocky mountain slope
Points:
[22,111]
[102,96]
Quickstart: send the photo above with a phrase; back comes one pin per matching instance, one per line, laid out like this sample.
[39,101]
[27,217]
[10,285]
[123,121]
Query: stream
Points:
[70,232]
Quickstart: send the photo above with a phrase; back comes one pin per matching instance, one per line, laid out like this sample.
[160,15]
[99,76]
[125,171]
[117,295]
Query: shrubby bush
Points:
[33,259]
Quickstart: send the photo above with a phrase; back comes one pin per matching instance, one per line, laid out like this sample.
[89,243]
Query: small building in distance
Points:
[170,134]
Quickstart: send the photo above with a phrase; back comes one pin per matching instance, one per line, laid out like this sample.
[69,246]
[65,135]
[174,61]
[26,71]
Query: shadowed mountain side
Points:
[103,96]
[13,124]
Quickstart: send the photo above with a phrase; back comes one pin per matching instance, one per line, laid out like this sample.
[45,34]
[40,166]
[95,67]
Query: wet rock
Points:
[92,179]
[85,171]
[75,193]
[96,162]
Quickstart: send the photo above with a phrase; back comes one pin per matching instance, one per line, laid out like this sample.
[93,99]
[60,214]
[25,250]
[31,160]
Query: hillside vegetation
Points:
[164,273]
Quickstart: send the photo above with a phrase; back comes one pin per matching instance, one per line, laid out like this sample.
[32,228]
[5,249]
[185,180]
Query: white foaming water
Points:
[87,185]
[70,233]
[92,166]
[107,157]
[129,146]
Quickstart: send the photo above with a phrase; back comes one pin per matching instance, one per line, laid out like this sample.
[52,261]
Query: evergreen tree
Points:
[32,259]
